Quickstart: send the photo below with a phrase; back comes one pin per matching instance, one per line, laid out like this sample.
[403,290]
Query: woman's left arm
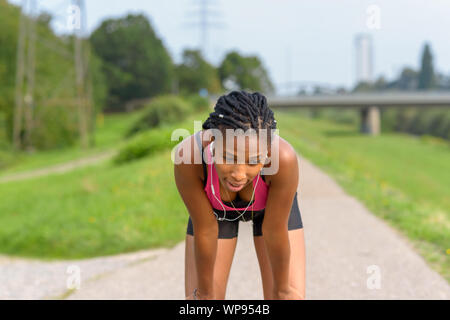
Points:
[282,190]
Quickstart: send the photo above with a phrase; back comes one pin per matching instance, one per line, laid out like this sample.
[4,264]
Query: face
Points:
[240,162]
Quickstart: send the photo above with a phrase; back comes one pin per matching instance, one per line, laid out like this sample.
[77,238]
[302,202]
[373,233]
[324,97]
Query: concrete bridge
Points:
[369,104]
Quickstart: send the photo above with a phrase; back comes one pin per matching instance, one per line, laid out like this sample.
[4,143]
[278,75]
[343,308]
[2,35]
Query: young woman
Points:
[220,193]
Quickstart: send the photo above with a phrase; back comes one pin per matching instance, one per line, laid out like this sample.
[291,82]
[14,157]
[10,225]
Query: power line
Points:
[202,14]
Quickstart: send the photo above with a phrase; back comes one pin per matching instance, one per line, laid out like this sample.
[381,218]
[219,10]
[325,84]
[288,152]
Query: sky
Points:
[309,41]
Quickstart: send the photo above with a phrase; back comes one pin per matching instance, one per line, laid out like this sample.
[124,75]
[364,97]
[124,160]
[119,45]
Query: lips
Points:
[234,187]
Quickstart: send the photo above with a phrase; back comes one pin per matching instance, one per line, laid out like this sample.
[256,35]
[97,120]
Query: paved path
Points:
[343,239]
[59,168]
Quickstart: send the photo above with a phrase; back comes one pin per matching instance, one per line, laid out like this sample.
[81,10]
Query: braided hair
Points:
[241,110]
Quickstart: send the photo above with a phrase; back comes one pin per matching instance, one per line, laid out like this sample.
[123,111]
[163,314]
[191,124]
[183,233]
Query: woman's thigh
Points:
[222,266]
[296,265]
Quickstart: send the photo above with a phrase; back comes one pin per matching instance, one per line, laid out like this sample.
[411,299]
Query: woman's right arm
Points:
[190,187]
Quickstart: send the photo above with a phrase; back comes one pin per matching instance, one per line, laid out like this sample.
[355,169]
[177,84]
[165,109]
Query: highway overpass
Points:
[369,104]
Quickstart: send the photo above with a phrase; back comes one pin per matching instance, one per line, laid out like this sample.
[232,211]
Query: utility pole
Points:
[29,97]
[20,70]
[24,104]
[91,114]
[81,71]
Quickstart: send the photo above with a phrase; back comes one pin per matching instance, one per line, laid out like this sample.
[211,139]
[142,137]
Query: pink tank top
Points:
[259,199]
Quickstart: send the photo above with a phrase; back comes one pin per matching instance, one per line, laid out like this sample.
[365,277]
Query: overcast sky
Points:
[310,40]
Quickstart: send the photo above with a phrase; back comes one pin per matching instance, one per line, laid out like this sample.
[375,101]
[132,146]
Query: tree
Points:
[135,61]
[195,73]
[426,74]
[246,73]
[363,86]
[408,79]
[53,94]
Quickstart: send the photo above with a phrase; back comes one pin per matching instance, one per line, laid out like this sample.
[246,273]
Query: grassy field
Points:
[98,210]
[109,133]
[106,209]
[403,179]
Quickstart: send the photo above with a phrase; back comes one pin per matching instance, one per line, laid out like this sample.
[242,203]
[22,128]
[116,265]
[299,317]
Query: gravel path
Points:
[344,241]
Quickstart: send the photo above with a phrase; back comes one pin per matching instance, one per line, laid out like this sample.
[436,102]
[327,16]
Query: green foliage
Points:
[417,121]
[98,81]
[408,79]
[6,158]
[8,44]
[246,73]
[198,103]
[146,143]
[55,127]
[54,72]
[135,61]
[338,115]
[426,75]
[166,109]
[195,73]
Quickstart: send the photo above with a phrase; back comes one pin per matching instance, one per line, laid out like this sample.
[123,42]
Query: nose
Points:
[238,173]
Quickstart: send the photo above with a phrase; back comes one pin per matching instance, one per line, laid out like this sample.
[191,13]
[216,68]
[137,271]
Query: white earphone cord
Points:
[214,194]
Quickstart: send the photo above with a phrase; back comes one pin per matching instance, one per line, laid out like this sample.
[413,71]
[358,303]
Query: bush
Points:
[418,121]
[146,143]
[6,159]
[338,115]
[198,103]
[55,127]
[162,110]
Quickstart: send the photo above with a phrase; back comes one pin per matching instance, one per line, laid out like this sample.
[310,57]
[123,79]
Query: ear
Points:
[209,136]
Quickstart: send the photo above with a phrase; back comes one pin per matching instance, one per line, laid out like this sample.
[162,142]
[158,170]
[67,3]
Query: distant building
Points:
[364,58]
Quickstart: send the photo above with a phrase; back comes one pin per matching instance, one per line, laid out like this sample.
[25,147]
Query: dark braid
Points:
[241,110]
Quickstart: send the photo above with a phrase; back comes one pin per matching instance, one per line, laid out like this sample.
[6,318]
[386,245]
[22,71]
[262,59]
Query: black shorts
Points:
[230,229]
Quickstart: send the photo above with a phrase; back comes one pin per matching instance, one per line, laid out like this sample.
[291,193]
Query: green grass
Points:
[100,210]
[402,179]
[94,211]
[109,135]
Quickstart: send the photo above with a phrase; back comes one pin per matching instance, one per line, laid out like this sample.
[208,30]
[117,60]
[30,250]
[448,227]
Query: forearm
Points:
[205,256]
[278,250]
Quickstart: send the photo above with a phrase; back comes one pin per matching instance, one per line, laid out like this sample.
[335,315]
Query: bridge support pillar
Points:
[370,120]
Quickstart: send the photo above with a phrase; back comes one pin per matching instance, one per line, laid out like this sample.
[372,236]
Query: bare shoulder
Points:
[185,155]
[287,163]
[287,153]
